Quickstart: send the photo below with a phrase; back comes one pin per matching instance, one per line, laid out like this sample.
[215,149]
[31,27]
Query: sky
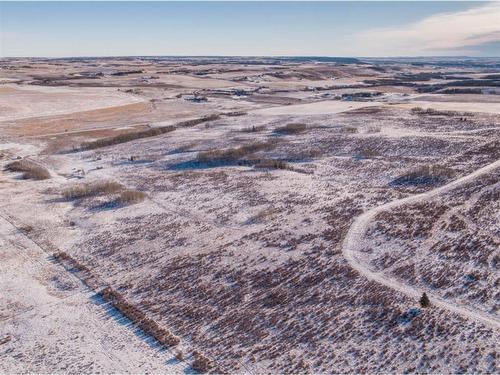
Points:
[359,29]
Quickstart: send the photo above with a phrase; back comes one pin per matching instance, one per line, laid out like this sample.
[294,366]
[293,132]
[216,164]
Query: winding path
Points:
[357,231]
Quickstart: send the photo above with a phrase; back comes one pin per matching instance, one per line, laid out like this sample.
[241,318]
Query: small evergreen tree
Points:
[424,300]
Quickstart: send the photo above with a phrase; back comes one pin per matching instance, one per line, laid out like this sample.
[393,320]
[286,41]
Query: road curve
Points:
[357,231]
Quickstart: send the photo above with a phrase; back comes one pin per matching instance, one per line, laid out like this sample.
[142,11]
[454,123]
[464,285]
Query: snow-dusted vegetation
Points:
[260,219]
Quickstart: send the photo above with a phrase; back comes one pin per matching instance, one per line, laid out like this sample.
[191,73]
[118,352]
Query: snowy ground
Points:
[241,260]
[52,323]
[18,102]
[455,106]
[317,108]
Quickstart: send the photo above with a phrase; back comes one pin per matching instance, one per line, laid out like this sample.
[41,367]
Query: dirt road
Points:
[357,231]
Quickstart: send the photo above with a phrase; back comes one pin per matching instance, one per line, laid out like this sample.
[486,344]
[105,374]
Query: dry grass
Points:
[126,197]
[91,189]
[30,169]
[293,128]
[37,173]
[131,197]
[122,138]
[233,154]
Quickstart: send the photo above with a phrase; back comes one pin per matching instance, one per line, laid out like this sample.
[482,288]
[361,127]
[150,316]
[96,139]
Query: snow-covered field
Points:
[52,323]
[270,238]
[493,107]
[316,108]
[18,102]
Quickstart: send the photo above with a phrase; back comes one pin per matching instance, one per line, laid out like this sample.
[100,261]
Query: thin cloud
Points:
[444,33]
[7,35]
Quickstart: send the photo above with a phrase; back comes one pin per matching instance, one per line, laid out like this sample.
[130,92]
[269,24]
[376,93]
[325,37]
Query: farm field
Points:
[249,215]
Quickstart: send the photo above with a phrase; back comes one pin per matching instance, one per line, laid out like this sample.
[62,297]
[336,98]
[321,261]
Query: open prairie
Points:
[249,215]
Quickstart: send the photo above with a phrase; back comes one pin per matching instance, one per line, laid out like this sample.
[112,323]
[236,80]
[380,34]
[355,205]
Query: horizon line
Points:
[254,56]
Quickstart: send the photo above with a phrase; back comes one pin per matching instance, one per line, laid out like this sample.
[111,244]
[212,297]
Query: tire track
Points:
[357,231]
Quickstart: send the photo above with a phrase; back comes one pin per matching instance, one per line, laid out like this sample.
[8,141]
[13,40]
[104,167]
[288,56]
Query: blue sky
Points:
[57,29]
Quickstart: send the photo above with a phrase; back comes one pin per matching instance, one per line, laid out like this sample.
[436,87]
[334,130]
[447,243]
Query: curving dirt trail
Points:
[357,231]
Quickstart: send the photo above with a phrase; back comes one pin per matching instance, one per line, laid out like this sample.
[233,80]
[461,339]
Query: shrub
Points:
[131,197]
[5,339]
[26,228]
[235,113]
[179,356]
[233,154]
[30,169]
[261,215]
[37,173]
[201,363]
[303,154]
[184,148]
[373,129]
[127,137]
[427,174]
[424,300]
[139,318]
[293,128]
[197,121]
[73,265]
[435,112]
[272,164]
[91,189]
[367,153]
[253,129]
[161,334]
